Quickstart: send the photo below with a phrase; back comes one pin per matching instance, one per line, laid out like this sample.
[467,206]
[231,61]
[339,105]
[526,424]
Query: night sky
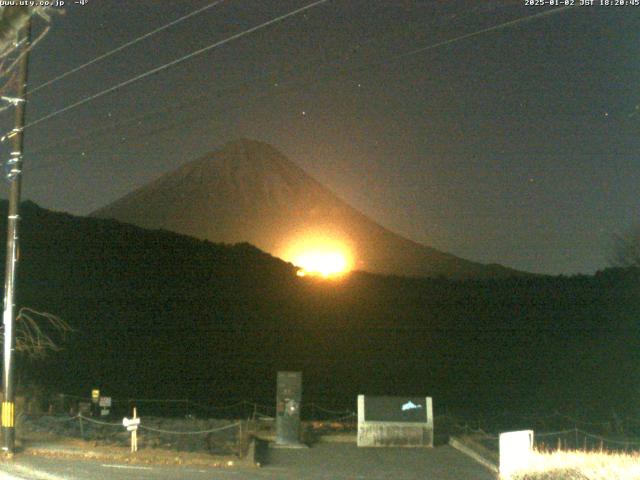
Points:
[517,146]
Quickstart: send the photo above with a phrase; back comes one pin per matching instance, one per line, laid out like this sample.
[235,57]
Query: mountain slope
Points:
[250,192]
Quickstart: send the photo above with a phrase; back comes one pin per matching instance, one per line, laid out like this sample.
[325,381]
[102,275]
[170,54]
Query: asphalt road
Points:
[322,462]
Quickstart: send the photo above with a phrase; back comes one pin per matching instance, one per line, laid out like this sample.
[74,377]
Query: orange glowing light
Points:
[325,264]
[319,256]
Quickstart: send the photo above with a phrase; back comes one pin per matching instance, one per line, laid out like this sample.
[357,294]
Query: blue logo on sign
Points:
[410,406]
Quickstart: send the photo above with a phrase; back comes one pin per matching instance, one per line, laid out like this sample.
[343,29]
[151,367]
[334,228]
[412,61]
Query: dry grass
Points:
[576,465]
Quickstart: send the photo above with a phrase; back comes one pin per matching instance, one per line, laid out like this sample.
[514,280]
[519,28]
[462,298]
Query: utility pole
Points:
[14,176]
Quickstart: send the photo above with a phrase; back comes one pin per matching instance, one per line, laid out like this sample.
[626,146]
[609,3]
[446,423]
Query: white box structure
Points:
[395,421]
[516,450]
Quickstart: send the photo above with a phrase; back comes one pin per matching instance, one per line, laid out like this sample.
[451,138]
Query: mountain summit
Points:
[250,192]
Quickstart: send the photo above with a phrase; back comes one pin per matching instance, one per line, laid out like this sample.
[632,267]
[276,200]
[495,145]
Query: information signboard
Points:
[386,421]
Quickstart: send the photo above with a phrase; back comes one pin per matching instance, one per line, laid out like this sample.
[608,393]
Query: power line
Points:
[286,89]
[170,64]
[485,30]
[125,45]
[138,118]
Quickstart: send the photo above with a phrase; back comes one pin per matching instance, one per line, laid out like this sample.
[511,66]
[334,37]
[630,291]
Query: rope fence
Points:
[541,417]
[218,436]
[243,417]
[144,427]
[552,424]
[578,439]
[244,409]
[199,432]
[627,443]
[617,426]
[98,422]
[554,434]
[462,428]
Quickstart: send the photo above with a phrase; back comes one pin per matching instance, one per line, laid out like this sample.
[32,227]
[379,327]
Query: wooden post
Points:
[134,434]
[559,444]
[81,427]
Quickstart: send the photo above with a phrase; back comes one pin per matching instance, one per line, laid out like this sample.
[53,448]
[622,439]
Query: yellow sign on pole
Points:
[95,395]
[8,414]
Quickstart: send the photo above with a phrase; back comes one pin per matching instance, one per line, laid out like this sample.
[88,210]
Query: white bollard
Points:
[516,451]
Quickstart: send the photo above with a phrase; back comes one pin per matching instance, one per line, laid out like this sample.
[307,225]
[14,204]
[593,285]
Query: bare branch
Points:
[35,332]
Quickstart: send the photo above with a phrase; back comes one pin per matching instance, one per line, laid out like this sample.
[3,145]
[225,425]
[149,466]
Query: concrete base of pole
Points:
[288,445]
[9,444]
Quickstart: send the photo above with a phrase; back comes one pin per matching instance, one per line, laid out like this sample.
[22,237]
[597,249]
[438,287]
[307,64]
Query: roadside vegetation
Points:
[577,465]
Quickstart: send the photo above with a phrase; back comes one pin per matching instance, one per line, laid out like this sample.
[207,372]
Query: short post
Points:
[81,426]
[240,452]
[131,424]
[134,433]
